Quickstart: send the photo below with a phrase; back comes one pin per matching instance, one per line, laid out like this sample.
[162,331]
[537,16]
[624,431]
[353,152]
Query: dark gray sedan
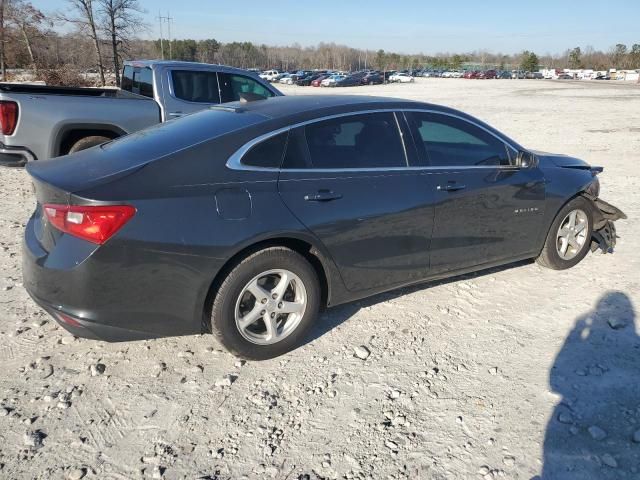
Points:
[245,219]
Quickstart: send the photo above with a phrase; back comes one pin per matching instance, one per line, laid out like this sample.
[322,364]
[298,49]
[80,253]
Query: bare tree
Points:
[3,66]
[121,23]
[85,20]
[29,22]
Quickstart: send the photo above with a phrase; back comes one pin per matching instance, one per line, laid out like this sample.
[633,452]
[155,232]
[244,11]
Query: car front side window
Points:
[231,86]
[449,141]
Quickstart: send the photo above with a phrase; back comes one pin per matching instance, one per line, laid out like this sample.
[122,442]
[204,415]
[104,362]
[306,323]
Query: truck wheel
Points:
[88,142]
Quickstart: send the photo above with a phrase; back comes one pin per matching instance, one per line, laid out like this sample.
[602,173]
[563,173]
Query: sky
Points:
[404,26]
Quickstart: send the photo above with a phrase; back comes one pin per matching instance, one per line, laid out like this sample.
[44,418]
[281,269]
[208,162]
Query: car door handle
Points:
[322,196]
[176,114]
[451,187]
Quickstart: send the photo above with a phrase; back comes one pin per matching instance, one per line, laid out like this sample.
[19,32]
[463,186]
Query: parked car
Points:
[534,75]
[288,79]
[565,76]
[350,81]
[518,74]
[504,74]
[372,78]
[331,80]
[487,74]
[44,122]
[306,81]
[471,74]
[227,221]
[401,77]
[317,82]
[270,75]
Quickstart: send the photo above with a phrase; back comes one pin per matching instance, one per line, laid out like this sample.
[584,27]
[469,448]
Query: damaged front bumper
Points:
[604,235]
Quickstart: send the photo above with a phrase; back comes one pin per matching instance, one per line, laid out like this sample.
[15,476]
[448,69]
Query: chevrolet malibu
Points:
[246,219]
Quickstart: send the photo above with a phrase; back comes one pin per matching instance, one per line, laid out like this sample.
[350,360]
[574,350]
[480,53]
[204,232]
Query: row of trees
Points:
[29,37]
[104,32]
[619,56]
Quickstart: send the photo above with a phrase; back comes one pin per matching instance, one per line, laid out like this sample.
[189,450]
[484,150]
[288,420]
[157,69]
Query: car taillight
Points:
[8,116]
[96,224]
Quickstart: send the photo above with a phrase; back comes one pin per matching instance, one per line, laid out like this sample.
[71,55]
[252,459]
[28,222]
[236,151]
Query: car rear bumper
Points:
[15,156]
[114,294]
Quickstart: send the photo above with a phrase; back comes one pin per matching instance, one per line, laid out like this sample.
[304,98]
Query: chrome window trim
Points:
[235,160]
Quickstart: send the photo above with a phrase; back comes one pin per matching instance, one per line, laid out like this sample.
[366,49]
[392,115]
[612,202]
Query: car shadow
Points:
[597,372]
[335,316]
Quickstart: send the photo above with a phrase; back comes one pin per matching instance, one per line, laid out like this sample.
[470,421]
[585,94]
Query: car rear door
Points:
[346,179]
[487,208]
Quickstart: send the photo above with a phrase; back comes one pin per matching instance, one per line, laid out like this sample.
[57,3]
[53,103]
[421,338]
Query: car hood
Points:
[560,160]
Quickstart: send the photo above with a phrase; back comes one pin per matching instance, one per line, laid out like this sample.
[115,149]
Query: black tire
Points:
[223,323]
[88,142]
[549,257]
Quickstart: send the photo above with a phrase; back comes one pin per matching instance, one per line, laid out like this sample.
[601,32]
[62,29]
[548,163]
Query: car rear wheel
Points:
[266,304]
[569,237]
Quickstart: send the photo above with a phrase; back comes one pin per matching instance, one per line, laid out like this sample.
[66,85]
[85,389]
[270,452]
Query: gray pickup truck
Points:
[38,122]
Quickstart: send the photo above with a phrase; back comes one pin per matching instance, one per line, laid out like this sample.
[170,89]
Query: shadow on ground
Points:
[597,372]
[335,316]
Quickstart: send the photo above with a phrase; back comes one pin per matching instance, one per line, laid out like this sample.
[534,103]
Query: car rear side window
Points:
[268,153]
[194,86]
[357,141]
[449,141]
[231,86]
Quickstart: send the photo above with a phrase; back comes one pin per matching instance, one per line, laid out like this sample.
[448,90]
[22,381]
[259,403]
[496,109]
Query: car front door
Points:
[487,208]
[346,179]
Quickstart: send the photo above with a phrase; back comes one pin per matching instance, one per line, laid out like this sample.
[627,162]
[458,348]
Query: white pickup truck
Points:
[39,122]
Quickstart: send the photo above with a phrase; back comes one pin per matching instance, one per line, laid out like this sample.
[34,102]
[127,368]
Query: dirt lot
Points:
[513,373]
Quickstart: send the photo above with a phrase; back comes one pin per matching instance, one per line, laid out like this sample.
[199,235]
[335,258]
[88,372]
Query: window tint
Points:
[231,86]
[357,141]
[296,155]
[143,79]
[194,86]
[267,153]
[127,78]
[449,141]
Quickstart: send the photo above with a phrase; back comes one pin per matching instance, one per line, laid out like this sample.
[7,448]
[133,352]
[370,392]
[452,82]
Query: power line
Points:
[168,19]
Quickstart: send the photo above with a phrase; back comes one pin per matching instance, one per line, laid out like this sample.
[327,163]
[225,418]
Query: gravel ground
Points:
[513,373]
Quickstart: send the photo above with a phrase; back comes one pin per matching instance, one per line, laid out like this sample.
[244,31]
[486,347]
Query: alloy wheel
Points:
[270,306]
[572,234]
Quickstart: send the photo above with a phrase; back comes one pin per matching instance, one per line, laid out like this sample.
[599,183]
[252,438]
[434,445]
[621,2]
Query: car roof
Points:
[153,64]
[319,105]
[283,111]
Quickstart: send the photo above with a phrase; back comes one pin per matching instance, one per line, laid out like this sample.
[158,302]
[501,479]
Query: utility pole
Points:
[161,39]
[169,20]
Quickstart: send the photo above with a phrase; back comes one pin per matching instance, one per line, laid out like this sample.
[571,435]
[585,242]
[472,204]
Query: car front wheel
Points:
[266,304]
[569,237]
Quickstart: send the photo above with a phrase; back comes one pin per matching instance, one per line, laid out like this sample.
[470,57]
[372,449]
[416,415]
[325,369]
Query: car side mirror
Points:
[525,159]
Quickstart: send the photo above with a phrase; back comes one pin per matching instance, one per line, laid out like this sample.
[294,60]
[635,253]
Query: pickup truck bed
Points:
[39,122]
[75,91]
[52,119]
